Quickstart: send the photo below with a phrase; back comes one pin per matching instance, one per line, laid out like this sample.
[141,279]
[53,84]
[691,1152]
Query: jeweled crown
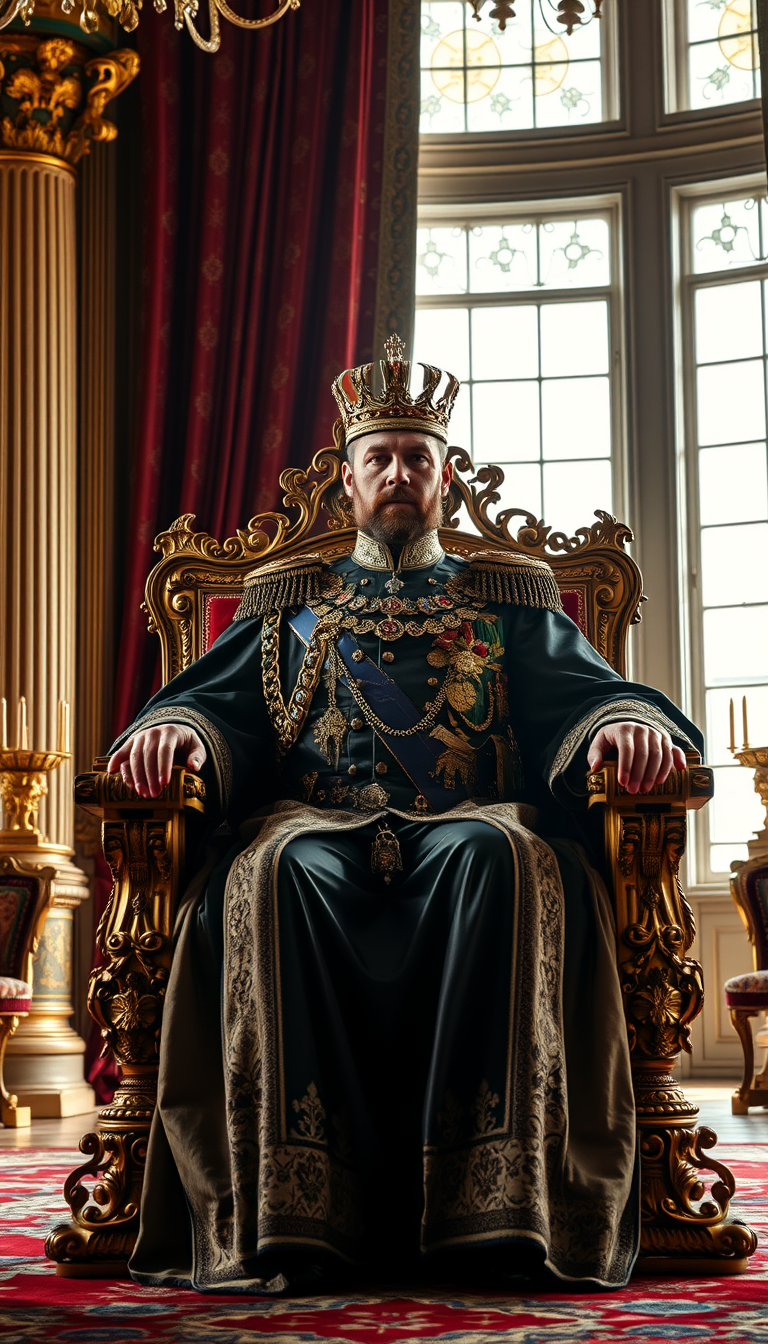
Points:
[362,410]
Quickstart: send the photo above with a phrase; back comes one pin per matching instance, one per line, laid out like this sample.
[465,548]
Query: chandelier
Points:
[127,14]
[566,12]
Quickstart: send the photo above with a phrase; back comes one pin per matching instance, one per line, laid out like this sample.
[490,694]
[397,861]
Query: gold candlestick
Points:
[756,758]
[23,776]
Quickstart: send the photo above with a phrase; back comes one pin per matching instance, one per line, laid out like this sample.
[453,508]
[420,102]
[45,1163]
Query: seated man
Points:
[394,1027]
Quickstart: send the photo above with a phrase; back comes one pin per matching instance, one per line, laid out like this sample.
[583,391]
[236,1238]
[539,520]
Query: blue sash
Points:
[418,754]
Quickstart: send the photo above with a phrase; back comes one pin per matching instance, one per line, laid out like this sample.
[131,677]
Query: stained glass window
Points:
[718,58]
[476,78]
[520,309]
[728,461]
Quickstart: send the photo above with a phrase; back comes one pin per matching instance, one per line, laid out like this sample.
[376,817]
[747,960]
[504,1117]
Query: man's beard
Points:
[397,526]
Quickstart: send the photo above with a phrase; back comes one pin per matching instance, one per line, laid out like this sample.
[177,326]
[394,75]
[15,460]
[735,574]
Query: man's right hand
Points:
[145,760]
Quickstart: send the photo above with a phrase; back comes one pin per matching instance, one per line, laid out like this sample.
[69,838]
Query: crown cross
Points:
[395,348]
[362,410]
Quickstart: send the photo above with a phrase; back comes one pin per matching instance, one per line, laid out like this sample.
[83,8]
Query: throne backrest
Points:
[193,591]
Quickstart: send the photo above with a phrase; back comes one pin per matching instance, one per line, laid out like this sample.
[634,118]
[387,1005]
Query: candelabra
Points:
[754,758]
[24,777]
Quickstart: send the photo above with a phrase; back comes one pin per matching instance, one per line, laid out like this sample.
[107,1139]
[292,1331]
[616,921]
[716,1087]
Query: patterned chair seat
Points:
[15,995]
[747,991]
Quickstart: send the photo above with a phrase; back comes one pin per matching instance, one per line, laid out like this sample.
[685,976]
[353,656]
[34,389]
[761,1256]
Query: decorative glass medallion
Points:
[479,79]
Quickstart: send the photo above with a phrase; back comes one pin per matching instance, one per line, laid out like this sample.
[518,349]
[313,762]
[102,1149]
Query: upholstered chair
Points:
[191,596]
[25,895]
[747,995]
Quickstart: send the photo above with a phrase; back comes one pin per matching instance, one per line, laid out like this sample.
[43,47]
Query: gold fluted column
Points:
[97,241]
[58,91]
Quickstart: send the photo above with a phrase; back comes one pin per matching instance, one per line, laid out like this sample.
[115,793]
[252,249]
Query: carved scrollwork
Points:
[594,563]
[144,846]
[662,988]
[685,1193]
[686,1197]
[54,98]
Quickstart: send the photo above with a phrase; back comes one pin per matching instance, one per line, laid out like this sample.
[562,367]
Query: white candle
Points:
[66,727]
[60,726]
[23,733]
[5,723]
[744,718]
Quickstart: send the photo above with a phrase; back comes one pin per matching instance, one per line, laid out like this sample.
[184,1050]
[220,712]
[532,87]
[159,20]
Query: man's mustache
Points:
[399,494]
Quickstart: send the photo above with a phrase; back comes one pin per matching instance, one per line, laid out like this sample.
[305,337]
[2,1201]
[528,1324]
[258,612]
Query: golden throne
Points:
[191,596]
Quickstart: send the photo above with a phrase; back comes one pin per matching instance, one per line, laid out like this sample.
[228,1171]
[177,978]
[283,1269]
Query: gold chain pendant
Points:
[386,859]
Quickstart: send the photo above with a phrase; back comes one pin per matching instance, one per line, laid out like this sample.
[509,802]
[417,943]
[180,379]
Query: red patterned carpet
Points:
[36,1305]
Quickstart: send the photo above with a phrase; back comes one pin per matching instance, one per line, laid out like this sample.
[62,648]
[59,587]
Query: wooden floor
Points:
[713,1099]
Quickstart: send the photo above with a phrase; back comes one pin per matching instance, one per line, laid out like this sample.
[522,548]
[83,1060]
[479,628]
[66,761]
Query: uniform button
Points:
[363,582]
[357,723]
[431,580]
[352,770]
[387,656]
[431,681]
[381,768]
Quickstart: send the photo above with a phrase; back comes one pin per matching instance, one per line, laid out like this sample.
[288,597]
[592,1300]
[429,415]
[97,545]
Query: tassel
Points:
[331,727]
[283,583]
[526,583]
[386,858]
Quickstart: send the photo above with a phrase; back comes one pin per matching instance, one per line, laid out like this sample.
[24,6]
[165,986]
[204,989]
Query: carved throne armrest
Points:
[144,845]
[685,1194]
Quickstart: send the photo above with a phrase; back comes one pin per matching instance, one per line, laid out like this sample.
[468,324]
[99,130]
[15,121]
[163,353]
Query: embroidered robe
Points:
[357,1070]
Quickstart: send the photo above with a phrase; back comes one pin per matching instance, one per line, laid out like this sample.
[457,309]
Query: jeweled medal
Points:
[390,629]
[391,605]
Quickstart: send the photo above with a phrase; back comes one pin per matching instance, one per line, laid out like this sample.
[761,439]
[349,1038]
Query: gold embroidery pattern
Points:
[371,554]
[288,720]
[311,1124]
[505,1178]
[306,1187]
[499,1170]
[460,760]
[612,711]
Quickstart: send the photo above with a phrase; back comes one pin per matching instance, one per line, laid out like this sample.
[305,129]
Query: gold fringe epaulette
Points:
[503,576]
[291,582]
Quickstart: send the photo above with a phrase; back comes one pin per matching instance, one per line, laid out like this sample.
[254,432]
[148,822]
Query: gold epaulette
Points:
[291,582]
[503,576]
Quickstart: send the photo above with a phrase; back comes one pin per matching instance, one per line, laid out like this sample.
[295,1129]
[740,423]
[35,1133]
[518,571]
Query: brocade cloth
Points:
[391,1072]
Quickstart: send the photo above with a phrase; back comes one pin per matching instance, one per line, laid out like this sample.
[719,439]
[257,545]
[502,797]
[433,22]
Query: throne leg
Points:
[144,846]
[686,1225]
[98,1241]
[12,1115]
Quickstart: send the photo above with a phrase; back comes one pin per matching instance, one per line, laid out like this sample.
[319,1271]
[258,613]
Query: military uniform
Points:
[394,1018]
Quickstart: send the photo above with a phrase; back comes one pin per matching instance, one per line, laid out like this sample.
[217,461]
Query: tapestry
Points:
[36,1305]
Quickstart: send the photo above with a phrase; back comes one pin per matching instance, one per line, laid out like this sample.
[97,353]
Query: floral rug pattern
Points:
[36,1305]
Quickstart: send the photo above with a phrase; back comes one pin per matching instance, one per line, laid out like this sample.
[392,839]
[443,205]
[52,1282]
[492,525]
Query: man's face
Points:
[396,481]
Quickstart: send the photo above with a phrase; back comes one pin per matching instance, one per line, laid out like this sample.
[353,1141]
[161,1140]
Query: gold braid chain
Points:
[373,720]
[288,720]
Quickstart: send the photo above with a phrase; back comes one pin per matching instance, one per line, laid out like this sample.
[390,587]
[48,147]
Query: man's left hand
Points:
[646,755]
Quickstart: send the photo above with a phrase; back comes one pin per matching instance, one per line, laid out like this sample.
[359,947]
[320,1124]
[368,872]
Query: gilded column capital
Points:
[58,93]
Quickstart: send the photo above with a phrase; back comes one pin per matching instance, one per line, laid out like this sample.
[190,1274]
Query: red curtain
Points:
[261,202]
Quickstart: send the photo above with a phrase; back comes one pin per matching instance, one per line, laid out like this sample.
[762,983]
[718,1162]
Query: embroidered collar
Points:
[425,550]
